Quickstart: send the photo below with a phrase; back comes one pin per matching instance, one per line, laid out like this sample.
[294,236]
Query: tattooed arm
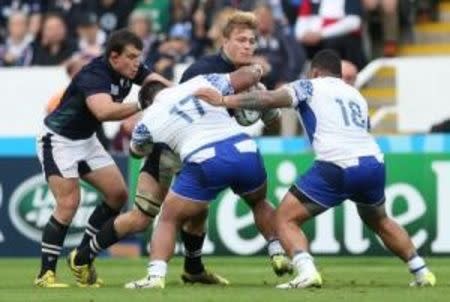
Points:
[255,100]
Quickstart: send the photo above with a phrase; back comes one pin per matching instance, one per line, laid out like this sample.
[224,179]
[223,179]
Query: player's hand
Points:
[209,95]
[266,67]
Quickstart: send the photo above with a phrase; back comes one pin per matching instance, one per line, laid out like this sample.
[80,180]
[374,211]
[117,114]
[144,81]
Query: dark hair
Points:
[119,39]
[328,60]
[148,92]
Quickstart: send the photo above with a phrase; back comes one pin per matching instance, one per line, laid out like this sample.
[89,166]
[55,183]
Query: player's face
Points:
[240,45]
[126,63]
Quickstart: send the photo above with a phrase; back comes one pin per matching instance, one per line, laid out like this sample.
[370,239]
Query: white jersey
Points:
[335,117]
[185,123]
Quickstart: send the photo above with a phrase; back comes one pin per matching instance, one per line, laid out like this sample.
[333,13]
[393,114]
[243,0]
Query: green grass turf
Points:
[346,279]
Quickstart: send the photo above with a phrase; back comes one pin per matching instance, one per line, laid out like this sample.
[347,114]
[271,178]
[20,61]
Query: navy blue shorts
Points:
[234,162]
[328,185]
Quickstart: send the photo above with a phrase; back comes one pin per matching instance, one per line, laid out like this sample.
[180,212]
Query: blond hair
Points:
[239,19]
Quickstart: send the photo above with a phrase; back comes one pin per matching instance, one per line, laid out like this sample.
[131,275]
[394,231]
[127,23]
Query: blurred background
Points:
[397,52]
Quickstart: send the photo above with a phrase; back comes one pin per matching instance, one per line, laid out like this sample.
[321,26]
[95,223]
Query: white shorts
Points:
[70,158]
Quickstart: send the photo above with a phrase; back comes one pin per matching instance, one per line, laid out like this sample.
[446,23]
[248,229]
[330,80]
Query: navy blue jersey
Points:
[72,118]
[217,63]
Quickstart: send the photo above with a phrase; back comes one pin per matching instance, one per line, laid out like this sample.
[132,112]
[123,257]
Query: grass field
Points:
[346,279]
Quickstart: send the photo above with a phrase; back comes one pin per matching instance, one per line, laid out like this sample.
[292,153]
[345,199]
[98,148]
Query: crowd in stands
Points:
[51,32]
[67,32]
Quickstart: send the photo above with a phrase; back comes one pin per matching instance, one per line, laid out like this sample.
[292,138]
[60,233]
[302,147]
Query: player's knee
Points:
[140,220]
[148,204]
[66,209]
[117,197]
[257,197]
[374,217]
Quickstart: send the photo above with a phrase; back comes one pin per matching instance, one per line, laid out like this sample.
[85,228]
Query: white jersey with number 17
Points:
[185,123]
[335,118]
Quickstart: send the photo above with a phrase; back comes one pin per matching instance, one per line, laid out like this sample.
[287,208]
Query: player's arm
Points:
[104,108]
[255,100]
[246,77]
[145,74]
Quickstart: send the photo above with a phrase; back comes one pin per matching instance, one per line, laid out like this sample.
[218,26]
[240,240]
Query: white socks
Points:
[417,266]
[304,263]
[157,268]
[274,248]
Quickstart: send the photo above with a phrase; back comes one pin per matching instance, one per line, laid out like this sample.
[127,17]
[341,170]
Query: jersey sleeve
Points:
[142,73]
[93,83]
[220,81]
[300,91]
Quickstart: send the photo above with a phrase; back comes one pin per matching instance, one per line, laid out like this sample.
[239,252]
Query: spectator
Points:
[113,14]
[71,11]
[390,23]
[214,33]
[140,23]
[177,49]
[332,24]
[31,8]
[91,38]
[278,48]
[17,50]
[53,47]
[158,11]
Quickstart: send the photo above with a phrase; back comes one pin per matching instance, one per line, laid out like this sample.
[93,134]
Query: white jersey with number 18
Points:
[335,117]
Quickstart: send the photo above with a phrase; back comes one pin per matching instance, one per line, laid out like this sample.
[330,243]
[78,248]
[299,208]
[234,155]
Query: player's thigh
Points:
[148,184]
[65,190]
[296,206]
[109,181]
[179,209]
[161,166]
[372,215]
[252,198]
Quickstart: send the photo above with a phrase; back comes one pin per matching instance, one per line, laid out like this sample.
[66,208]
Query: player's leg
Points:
[59,165]
[147,206]
[264,215]
[249,180]
[397,240]
[370,178]
[193,235]
[100,170]
[67,195]
[295,209]
[320,188]
[109,181]
[187,199]
[161,167]
[176,211]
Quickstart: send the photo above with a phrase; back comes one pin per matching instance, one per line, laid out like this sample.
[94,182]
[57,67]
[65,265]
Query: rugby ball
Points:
[246,117]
